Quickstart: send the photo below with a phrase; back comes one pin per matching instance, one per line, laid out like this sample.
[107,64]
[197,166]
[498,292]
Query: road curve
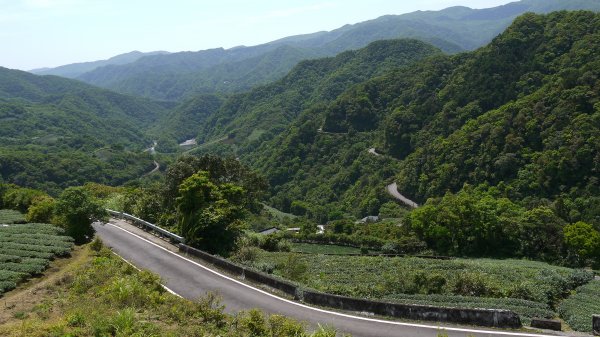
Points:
[191,280]
[393,191]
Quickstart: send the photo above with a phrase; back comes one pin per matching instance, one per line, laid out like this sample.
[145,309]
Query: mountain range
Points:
[181,75]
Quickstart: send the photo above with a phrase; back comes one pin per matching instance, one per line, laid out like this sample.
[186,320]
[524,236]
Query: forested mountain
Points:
[179,75]
[520,114]
[76,69]
[56,132]
[250,118]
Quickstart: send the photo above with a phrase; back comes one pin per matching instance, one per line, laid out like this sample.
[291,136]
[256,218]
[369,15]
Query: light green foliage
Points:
[75,211]
[25,250]
[584,240]
[41,209]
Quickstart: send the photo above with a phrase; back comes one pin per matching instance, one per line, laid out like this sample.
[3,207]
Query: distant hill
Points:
[180,75]
[56,132]
[76,69]
[518,116]
[266,110]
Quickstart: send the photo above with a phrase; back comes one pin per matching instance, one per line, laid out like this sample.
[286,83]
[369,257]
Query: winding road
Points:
[392,188]
[190,279]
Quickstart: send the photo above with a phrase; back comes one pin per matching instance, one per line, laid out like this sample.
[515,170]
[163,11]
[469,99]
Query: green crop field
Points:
[578,309]
[9,216]
[26,250]
[313,248]
[531,289]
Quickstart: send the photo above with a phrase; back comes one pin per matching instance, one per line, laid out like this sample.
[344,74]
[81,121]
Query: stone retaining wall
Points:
[480,317]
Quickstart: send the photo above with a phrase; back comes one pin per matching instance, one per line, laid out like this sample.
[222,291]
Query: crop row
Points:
[525,309]
[578,309]
[9,216]
[26,249]
[33,228]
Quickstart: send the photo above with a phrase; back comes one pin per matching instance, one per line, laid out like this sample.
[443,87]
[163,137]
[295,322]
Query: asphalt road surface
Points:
[192,280]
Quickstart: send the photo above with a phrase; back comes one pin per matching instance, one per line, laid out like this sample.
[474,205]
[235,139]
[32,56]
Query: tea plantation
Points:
[578,309]
[9,216]
[26,250]
[529,288]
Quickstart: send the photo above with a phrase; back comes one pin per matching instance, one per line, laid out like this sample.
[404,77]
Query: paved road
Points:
[393,191]
[192,280]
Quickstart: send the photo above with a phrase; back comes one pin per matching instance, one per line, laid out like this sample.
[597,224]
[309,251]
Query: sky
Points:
[49,33]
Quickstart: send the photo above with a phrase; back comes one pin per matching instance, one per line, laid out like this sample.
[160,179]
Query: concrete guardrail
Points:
[480,317]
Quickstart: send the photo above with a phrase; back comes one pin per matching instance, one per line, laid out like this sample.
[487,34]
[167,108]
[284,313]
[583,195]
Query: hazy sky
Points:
[48,33]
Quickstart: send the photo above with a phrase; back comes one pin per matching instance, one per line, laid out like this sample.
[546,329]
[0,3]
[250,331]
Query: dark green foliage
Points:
[56,132]
[76,210]
[518,117]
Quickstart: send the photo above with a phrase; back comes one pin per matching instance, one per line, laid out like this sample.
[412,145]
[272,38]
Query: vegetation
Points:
[578,309]
[312,248]
[9,216]
[529,288]
[25,251]
[121,301]
[75,211]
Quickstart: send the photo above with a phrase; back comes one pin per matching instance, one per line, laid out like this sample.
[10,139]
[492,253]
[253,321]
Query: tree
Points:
[584,240]
[210,213]
[75,211]
[41,209]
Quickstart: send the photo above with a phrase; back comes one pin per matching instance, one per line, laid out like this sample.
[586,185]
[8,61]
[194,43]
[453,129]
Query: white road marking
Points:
[437,328]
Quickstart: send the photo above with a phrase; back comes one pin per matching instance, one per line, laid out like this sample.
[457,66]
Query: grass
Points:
[102,295]
[25,251]
[531,289]
[312,248]
[9,216]
[578,309]
[278,214]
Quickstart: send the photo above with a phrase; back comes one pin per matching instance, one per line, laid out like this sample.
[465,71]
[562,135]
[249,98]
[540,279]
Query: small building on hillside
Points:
[368,219]
[269,231]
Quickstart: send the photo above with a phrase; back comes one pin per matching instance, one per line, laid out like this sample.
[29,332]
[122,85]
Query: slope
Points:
[520,114]
[56,132]
[250,118]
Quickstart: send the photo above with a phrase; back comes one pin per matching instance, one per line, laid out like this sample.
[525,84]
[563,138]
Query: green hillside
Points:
[520,113]
[250,118]
[57,132]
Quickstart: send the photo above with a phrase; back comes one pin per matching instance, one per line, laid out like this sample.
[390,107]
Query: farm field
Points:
[578,309]
[9,216]
[312,248]
[531,289]
[26,250]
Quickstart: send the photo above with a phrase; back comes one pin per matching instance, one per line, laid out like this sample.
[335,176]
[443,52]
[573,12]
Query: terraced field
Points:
[9,216]
[578,309]
[26,250]
[529,288]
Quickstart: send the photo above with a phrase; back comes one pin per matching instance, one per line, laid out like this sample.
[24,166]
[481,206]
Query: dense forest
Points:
[56,132]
